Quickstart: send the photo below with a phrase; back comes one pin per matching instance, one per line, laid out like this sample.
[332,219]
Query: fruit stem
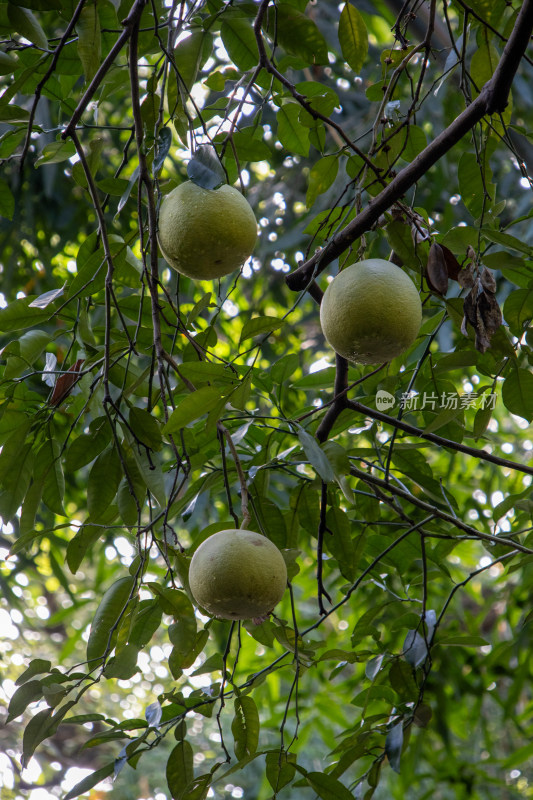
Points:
[246,516]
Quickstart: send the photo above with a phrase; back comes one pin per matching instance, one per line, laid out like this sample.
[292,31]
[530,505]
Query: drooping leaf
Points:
[87,783]
[36,667]
[195,405]
[299,35]
[292,135]
[29,692]
[103,482]
[205,169]
[245,726]
[89,40]
[517,393]
[280,768]
[239,40]
[321,176]
[353,37]
[327,787]
[56,152]
[394,744]
[260,325]
[316,455]
[7,200]
[106,618]
[179,769]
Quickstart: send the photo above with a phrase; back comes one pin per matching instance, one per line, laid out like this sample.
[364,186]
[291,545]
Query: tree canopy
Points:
[142,411]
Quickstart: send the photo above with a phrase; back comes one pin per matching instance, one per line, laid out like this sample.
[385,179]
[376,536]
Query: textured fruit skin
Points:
[237,574]
[371,312]
[206,233]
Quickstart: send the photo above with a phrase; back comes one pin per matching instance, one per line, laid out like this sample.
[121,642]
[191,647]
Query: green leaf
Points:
[393,746]
[174,602]
[316,455]
[124,664]
[506,240]
[353,37]
[472,183]
[321,177]
[27,693]
[103,482]
[250,146]
[204,371]
[239,40]
[107,615]
[146,428]
[205,169]
[327,787]
[36,667]
[91,780]
[89,40]
[48,467]
[88,446]
[146,622]
[183,635]
[464,641]
[260,325]
[195,405]
[245,727]
[83,541]
[339,542]
[518,311]
[56,152]
[126,503]
[188,56]
[180,660]
[180,771]
[36,731]
[16,466]
[280,768]
[291,133]
[23,352]
[150,471]
[517,393]
[8,64]
[299,35]
[7,201]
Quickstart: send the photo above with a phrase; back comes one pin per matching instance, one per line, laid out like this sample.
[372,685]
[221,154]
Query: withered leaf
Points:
[453,267]
[466,278]
[488,280]
[436,272]
[482,312]
[65,383]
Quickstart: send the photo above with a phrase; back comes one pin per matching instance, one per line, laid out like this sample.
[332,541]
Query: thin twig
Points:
[246,516]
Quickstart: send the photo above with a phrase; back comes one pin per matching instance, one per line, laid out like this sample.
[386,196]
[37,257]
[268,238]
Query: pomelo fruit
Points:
[371,312]
[206,233]
[237,574]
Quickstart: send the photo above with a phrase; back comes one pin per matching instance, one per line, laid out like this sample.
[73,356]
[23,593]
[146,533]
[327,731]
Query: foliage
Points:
[138,408]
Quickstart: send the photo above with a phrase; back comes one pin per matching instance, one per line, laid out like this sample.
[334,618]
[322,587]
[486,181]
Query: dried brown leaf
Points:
[453,267]
[65,383]
[436,272]
[465,277]
[488,280]
[482,312]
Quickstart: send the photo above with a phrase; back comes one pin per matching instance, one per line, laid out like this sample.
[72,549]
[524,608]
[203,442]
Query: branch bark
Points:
[493,98]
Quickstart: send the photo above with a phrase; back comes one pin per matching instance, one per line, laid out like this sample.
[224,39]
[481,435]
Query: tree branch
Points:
[455,522]
[492,98]
[129,25]
[476,452]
